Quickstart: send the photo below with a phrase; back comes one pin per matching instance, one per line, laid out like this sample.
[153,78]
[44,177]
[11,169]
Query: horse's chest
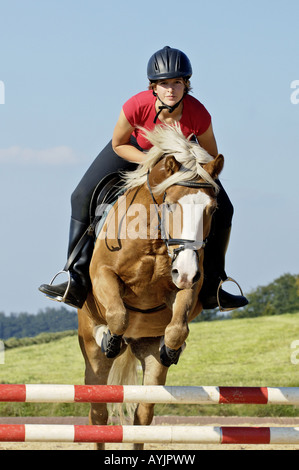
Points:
[147,271]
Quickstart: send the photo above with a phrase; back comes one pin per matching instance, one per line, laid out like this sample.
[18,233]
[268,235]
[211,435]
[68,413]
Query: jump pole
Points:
[56,393]
[148,434]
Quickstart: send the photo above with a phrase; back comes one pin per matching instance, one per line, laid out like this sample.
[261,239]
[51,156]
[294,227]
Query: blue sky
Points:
[66,68]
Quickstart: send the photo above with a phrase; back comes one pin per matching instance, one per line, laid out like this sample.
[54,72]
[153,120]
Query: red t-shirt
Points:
[140,111]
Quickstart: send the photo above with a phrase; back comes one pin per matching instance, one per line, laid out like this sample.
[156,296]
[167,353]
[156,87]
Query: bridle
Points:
[182,243]
[168,240]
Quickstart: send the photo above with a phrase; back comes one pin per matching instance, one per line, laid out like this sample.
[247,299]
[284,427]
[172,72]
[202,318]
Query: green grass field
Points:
[252,352]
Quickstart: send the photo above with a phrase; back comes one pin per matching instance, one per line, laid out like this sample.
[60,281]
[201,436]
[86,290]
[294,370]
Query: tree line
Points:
[49,320]
[278,297]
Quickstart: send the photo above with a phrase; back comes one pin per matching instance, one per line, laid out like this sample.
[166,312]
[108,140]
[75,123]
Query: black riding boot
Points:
[79,280]
[214,274]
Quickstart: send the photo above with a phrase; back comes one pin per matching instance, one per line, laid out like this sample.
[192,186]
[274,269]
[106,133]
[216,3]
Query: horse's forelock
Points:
[170,140]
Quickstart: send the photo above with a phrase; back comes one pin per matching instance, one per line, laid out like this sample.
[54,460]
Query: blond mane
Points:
[170,140]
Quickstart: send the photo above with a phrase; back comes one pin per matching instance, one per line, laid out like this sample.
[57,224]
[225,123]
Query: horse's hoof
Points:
[111,344]
[169,356]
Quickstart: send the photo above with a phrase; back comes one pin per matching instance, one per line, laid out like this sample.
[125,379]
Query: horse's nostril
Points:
[175,271]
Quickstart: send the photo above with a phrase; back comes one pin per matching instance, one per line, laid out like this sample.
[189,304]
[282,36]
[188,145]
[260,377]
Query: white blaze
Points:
[185,265]
[193,206]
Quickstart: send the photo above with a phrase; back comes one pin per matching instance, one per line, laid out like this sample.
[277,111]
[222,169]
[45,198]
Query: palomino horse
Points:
[147,276]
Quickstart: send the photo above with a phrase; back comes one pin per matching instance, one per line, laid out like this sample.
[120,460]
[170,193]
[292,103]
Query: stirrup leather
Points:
[222,309]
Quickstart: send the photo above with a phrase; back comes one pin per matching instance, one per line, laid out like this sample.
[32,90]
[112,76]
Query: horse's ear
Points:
[171,165]
[215,167]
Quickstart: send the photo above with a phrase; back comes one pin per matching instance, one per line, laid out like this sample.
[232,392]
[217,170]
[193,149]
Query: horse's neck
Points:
[143,195]
[145,213]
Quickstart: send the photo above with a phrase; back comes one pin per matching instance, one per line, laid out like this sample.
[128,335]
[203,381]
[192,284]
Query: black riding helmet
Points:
[168,63]
[165,64]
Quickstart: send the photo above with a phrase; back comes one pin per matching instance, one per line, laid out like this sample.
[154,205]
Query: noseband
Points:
[168,240]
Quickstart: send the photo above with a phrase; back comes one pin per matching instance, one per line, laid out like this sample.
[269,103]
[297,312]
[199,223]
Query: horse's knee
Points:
[176,335]
[117,320]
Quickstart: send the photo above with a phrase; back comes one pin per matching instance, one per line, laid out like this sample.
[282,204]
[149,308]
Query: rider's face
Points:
[170,91]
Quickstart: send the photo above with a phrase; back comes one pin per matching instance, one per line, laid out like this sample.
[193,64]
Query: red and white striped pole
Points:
[148,434]
[43,393]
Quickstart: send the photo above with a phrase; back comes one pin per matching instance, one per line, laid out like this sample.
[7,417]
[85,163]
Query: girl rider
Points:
[166,101]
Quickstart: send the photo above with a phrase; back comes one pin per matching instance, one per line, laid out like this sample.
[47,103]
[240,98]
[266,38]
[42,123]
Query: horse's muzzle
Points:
[184,281]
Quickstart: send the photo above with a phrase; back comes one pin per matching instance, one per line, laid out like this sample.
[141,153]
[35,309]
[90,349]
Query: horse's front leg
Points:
[107,288]
[177,330]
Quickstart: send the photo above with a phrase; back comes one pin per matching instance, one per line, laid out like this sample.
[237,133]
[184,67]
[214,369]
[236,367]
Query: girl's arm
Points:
[208,142]
[121,141]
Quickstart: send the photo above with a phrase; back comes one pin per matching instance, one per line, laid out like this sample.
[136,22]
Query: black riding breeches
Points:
[223,216]
[109,162]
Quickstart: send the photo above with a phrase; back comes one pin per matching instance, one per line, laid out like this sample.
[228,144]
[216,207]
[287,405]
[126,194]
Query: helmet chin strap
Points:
[166,106]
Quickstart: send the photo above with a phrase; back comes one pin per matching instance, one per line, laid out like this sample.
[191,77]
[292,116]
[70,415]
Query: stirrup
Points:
[60,298]
[218,300]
